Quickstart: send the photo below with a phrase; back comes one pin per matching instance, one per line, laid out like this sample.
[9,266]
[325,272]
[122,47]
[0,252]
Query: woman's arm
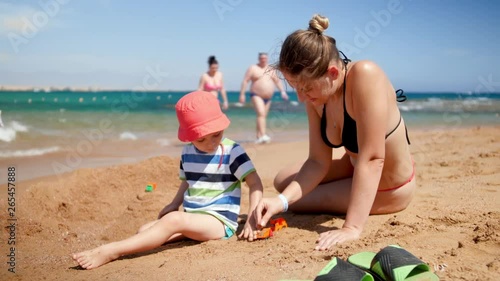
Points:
[223,93]
[317,164]
[368,100]
[313,171]
[200,84]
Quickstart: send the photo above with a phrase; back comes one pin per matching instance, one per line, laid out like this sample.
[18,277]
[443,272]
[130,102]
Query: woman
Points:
[350,105]
[212,82]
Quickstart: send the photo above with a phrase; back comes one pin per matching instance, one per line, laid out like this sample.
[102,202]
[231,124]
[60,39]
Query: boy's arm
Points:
[176,202]
[255,184]
[179,197]
[256,189]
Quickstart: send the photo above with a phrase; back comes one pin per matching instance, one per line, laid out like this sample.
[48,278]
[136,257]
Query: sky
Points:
[423,46]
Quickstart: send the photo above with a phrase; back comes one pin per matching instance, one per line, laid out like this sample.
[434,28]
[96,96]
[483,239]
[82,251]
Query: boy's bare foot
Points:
[96,257]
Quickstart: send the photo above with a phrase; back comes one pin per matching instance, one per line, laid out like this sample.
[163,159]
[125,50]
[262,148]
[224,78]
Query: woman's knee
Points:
[282,180]
[285,176]
[393,204]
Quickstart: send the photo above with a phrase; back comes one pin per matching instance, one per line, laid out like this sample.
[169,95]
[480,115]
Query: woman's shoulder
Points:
[363,77]
[365,66]
[364,70]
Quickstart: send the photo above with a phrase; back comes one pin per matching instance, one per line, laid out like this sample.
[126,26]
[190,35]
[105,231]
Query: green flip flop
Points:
[340,270]
[394,263]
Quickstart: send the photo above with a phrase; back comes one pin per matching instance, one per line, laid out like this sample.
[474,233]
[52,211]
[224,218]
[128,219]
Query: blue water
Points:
[118,101]
[39,123]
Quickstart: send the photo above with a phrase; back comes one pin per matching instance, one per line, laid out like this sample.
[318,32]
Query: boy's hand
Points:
[167,209]
[249,232]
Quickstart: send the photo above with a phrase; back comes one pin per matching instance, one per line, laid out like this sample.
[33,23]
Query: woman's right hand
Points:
[266,208]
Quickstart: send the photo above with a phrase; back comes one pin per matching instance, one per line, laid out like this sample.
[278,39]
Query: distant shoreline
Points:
[24,89]
[90,89]
[76,89]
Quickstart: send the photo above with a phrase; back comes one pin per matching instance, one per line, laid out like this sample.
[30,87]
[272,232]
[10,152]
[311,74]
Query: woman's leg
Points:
[340,168]
[332,195]
[393,201]
[325,197]
[199,227]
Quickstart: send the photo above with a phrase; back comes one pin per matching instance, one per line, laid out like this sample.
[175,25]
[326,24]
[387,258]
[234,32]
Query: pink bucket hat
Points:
[199,114]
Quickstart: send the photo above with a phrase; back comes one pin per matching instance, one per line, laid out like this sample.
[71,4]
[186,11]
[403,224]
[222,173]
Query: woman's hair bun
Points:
[211,60]
[318,23]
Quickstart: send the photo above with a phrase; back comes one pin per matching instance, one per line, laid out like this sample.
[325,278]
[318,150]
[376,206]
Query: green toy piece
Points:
[151,187]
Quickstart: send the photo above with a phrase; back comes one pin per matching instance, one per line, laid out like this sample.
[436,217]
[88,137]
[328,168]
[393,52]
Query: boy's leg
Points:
[199,227]
[147,225]
[174,238]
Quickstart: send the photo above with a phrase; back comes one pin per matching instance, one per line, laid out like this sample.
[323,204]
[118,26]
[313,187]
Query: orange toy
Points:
[265,233]
[276,224]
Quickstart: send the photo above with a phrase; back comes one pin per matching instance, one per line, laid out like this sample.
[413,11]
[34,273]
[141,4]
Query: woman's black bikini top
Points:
[349,134]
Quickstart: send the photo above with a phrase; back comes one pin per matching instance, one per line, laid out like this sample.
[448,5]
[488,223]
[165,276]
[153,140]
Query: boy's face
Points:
[209,142]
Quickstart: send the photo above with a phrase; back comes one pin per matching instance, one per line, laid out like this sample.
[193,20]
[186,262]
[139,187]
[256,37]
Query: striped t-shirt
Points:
[215,180]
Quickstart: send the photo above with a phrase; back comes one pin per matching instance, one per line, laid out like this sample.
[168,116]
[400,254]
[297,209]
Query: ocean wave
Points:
[29,152]
[127,136]
[8,133]
[163,142]
[18,127]
[480,105]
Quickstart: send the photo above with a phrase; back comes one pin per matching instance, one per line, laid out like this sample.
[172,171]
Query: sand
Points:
[453,223]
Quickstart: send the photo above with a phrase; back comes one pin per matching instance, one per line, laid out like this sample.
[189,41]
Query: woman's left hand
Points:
[331,238]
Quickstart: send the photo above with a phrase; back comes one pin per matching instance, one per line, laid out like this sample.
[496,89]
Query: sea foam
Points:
[29,152]
[8,133]
[127,136]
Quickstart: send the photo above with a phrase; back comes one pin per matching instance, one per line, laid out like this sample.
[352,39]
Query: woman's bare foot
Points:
[96,257]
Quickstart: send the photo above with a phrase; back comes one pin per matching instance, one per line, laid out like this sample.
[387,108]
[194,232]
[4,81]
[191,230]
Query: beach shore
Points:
[452,222]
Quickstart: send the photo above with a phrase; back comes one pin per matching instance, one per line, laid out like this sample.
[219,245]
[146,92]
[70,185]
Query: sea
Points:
[48,132]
